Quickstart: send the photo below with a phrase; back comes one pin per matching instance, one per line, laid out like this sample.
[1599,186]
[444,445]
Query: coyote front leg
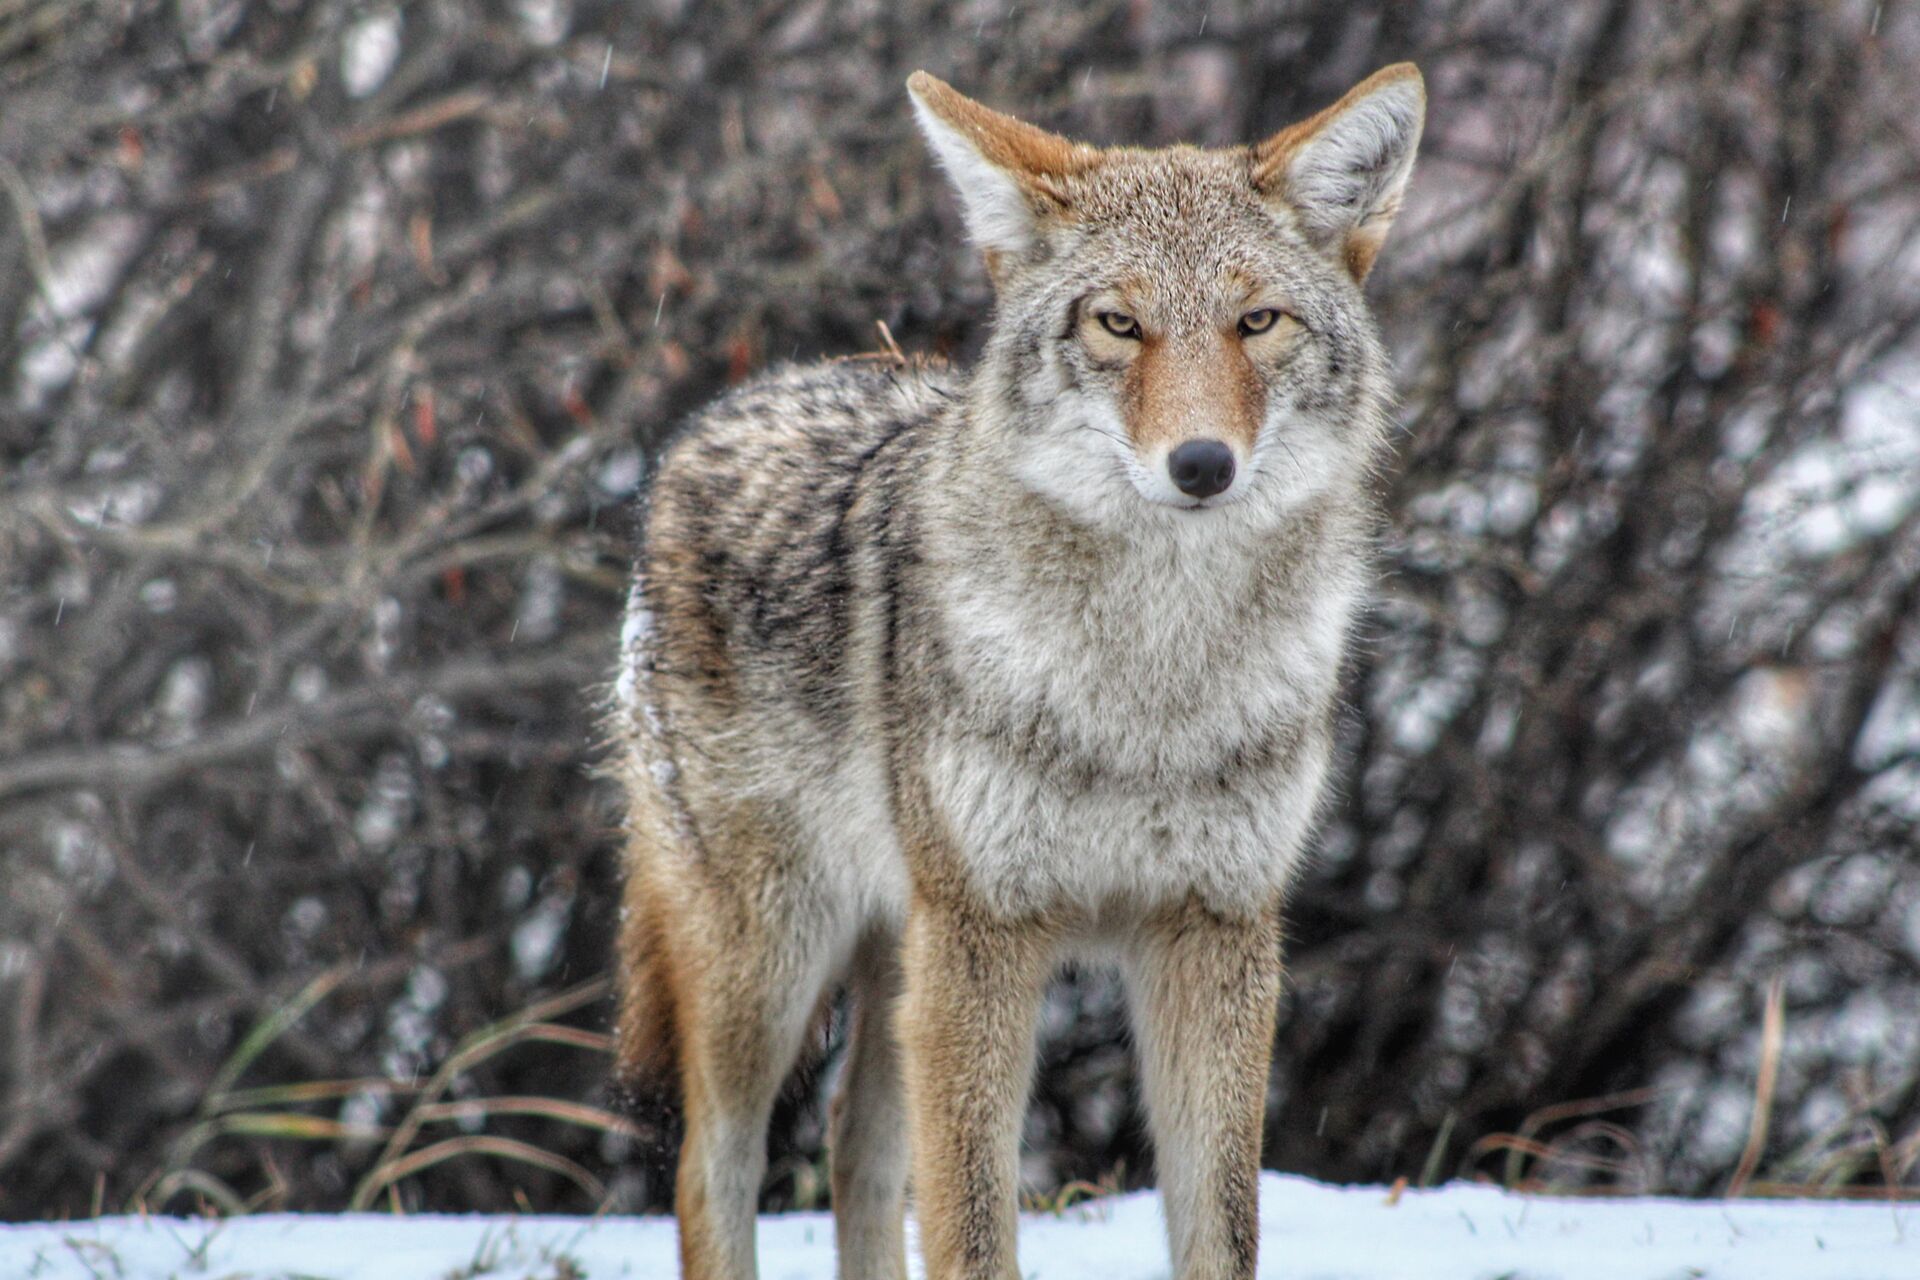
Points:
[973,987]
[1204,991]
[869,1139]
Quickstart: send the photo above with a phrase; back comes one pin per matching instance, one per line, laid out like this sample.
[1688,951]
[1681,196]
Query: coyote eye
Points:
[1258,321]
[1119,324]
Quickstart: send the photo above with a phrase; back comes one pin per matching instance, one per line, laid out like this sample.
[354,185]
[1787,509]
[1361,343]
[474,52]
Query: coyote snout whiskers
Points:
[934,680]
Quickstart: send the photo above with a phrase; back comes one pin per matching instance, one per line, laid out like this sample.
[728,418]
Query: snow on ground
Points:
[1309,1232]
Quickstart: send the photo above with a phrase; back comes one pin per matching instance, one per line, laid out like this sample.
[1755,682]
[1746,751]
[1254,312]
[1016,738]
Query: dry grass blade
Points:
[264,1033]
[1905,1153]
[280,1095]
[198,1181]
[1513,1143]
[527,1025]
[1520,1145]
[1438,1152]
[576,1113]
[1079,1191]
[572,1037]
[291,1124]
[1772,1034]
[1843,1164]
[229,1112]
[392,1171]
[283,1124]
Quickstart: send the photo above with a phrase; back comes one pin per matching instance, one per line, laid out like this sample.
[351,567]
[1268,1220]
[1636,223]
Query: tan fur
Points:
[1205,988]
[1174,386]
[931,681]
[645,1048]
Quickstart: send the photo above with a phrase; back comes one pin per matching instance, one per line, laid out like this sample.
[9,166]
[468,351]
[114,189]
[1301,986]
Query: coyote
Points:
[932,680]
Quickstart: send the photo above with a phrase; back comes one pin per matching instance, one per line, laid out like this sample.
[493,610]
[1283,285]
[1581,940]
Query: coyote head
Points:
[1183,326]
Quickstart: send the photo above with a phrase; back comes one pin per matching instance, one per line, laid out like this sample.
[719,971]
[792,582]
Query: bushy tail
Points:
[646,1040]
[646,1052]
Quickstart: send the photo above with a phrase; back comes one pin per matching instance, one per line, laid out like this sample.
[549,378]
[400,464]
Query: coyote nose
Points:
[1201,468]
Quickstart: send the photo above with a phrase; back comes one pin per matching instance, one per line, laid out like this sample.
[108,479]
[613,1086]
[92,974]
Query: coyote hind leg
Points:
[749,964]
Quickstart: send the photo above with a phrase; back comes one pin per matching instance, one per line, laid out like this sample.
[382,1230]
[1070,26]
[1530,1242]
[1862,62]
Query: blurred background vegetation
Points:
[334,342]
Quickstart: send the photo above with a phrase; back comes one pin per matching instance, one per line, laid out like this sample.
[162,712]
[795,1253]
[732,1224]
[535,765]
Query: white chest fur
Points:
[1146,729]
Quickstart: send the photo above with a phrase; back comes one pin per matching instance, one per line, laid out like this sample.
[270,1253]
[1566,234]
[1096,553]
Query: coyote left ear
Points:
[1344,170]
[1011,176]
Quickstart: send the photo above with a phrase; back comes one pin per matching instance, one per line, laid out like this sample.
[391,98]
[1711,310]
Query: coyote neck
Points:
[1152,660]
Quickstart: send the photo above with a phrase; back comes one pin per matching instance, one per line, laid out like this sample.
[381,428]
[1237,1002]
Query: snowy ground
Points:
[1310,1232]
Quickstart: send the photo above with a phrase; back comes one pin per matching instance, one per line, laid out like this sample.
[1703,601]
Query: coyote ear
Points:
[1344,170]
[1010,176]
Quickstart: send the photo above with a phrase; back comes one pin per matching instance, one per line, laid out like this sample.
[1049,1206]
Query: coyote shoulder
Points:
[931,680]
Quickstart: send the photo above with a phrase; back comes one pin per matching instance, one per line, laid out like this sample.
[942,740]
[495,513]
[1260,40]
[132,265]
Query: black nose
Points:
[1201,468]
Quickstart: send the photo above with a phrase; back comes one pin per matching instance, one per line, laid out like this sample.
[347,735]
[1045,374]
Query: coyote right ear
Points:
[1010,175]
[1345,169]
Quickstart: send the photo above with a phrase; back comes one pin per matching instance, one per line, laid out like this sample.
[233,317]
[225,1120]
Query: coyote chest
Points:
[1138,726]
